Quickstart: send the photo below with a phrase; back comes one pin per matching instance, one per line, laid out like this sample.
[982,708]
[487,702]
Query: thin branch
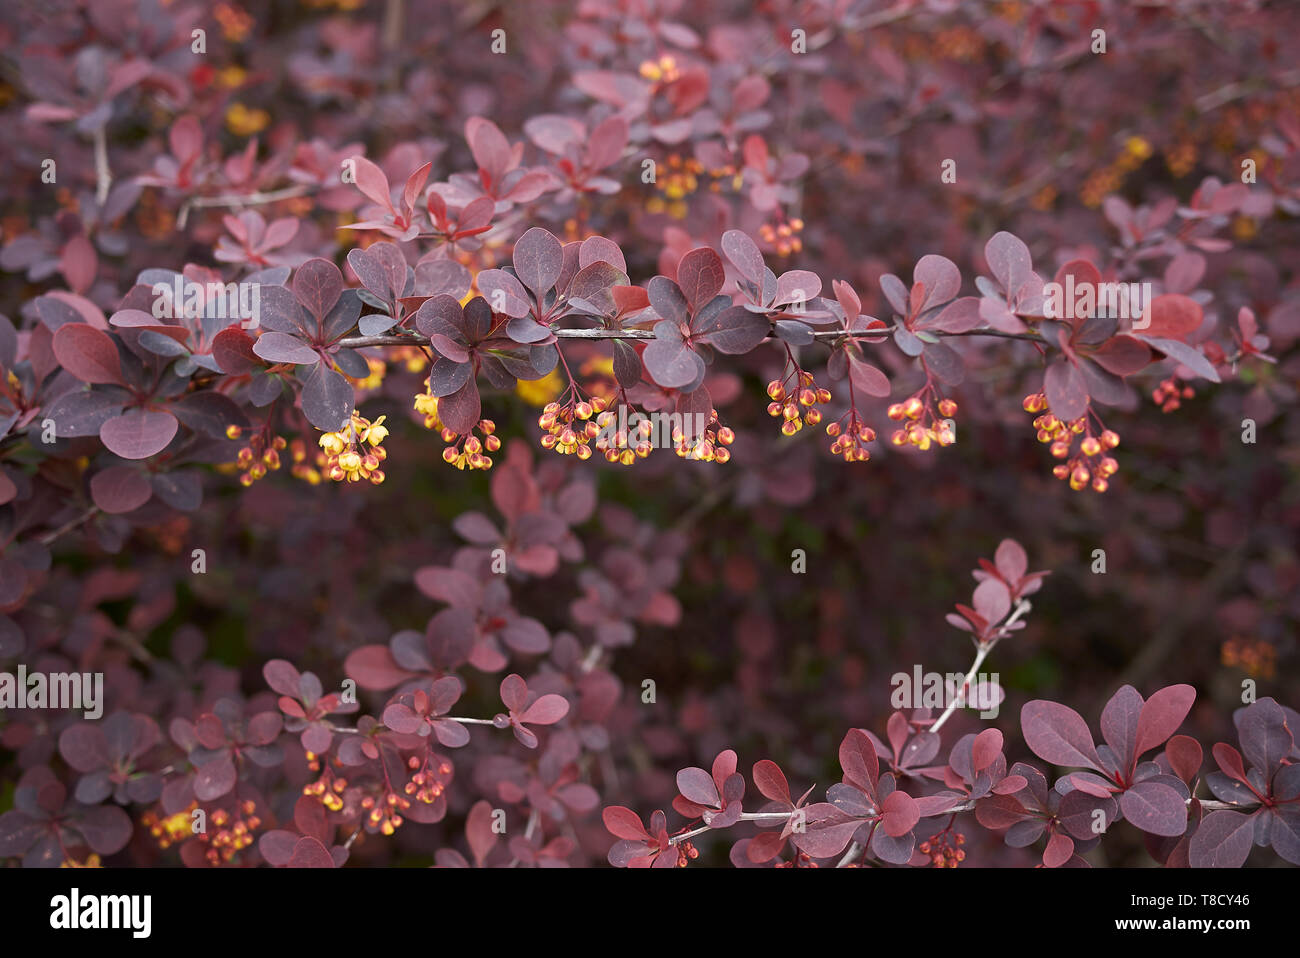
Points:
[103,175]
[240,200]
[744,817]
[981,653]
[68,526]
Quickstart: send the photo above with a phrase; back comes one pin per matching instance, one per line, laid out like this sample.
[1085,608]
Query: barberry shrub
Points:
[251,261]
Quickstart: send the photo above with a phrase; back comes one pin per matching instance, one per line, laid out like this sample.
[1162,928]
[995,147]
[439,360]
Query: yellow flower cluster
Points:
[355,452]
[923,427]
[664,70]
[473,453]
[260,456]
[569,428]
[427,405]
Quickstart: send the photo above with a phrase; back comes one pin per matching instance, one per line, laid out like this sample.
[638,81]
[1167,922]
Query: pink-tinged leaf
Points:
[985,749]
[827,833]
[119,489]
[1085,275]
[381,269]
[771,781]
[1229,761]
[1009,260]
[317,285]
[282,676]
[554,133]
[310,853]
[373,667]
[106,829]
[504,293]
[1161,716]
[476,217]
[959,316]
[1185,755]
[764,846]
[624,823]
[1058,851]
[735,330]
[697,786]
[724,766]
[232,349]
[1189,356]
[1011,561]
[460,411]
[514,693]
[700,276]
[1067,392]
[489,147]
[538,260]
[414,183]
[283,348]
[605,145]
[898,814]
[1000,811]
[214,779]
[858,760]
[668,301]
[277,847]
[940,277]
[78,263]
[848,299]
[547,710]
[1156,808]
[88,353]
[744,255]
[1223,840]
[1058,734]
[1184,272]
[530,186]
[1119,725]
[992,600]
[185,138]
[1173,316]
[327,399]
[479,832]
[599,249]
[372,182]
[309,817]
[672,363]
[139,433]
[868,378]
[1090,784]
[1122,355]
[796,287]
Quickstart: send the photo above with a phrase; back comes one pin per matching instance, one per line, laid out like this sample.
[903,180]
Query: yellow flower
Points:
[377,432]
[538,392]
[427,405]
[242,121]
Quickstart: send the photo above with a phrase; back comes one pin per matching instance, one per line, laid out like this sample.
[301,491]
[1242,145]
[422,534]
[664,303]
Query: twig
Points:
[103,175]
[240,200]
[67,526]
[981,653]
